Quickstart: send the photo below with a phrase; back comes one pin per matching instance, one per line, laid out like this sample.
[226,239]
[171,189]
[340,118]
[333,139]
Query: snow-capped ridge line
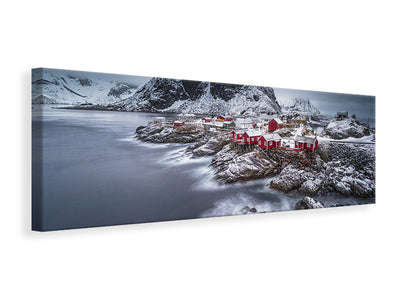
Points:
[156,95]
[59,87]
[201,97]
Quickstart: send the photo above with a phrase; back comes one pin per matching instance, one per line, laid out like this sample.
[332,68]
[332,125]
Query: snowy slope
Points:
[58,86]
[156,95]
[205,103]
[171,95]
[253,100]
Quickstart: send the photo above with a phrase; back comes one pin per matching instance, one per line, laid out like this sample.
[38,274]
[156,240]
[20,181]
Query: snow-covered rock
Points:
[248,210]
[311,186]
[231,166]
[344,128]
[346,169]
[292,178]
[208,146]
[308,203]
[157,133]
[344,186]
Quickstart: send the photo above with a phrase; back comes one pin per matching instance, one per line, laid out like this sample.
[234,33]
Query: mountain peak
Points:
[61,87]
[201,97]
[302,106]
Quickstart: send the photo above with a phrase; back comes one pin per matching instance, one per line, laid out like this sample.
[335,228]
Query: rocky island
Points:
[346,169]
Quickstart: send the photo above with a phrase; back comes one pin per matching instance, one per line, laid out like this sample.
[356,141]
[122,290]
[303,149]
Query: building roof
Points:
[279,121]
[305,139]
[253,133]
[239,131]
[272,137]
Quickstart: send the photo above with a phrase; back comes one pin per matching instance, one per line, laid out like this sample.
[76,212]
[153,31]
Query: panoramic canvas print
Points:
[112,149]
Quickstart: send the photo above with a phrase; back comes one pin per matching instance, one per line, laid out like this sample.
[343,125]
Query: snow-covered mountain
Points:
[302,107]
[51,86]
[156,95]
[172,95]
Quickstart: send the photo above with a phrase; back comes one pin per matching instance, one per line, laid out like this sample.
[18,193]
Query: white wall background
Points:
[341,46]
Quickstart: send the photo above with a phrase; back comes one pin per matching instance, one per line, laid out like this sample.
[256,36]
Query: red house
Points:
[237,136]
[274,124]
[269,141]
[206,120]
[306,143]
[222,118]
[179,123]
[251,137]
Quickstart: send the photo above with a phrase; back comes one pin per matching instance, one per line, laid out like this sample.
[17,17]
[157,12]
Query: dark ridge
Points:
[85,82]
[42,81]
[73,92]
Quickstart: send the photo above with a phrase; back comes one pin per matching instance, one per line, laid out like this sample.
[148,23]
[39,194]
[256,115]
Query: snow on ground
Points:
[365,139]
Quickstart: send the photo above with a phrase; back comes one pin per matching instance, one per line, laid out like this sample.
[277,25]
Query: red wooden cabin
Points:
[274,124]
[306,143]
[236,136]
[251,137]
[222,118]
[269,141]
[179,123]
[206,120]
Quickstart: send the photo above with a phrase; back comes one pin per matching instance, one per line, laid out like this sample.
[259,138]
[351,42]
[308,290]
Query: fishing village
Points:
[279,147]
[276,132]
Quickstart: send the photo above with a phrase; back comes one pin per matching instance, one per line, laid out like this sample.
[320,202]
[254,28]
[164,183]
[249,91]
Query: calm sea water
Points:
[89,170]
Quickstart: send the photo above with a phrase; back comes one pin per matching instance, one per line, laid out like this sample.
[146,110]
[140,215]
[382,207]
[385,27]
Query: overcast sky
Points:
[330,103]
[137,80]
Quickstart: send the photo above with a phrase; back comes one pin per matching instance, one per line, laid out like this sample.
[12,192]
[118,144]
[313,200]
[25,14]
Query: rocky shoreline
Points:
[155,133]
[90,106]
[345,169]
